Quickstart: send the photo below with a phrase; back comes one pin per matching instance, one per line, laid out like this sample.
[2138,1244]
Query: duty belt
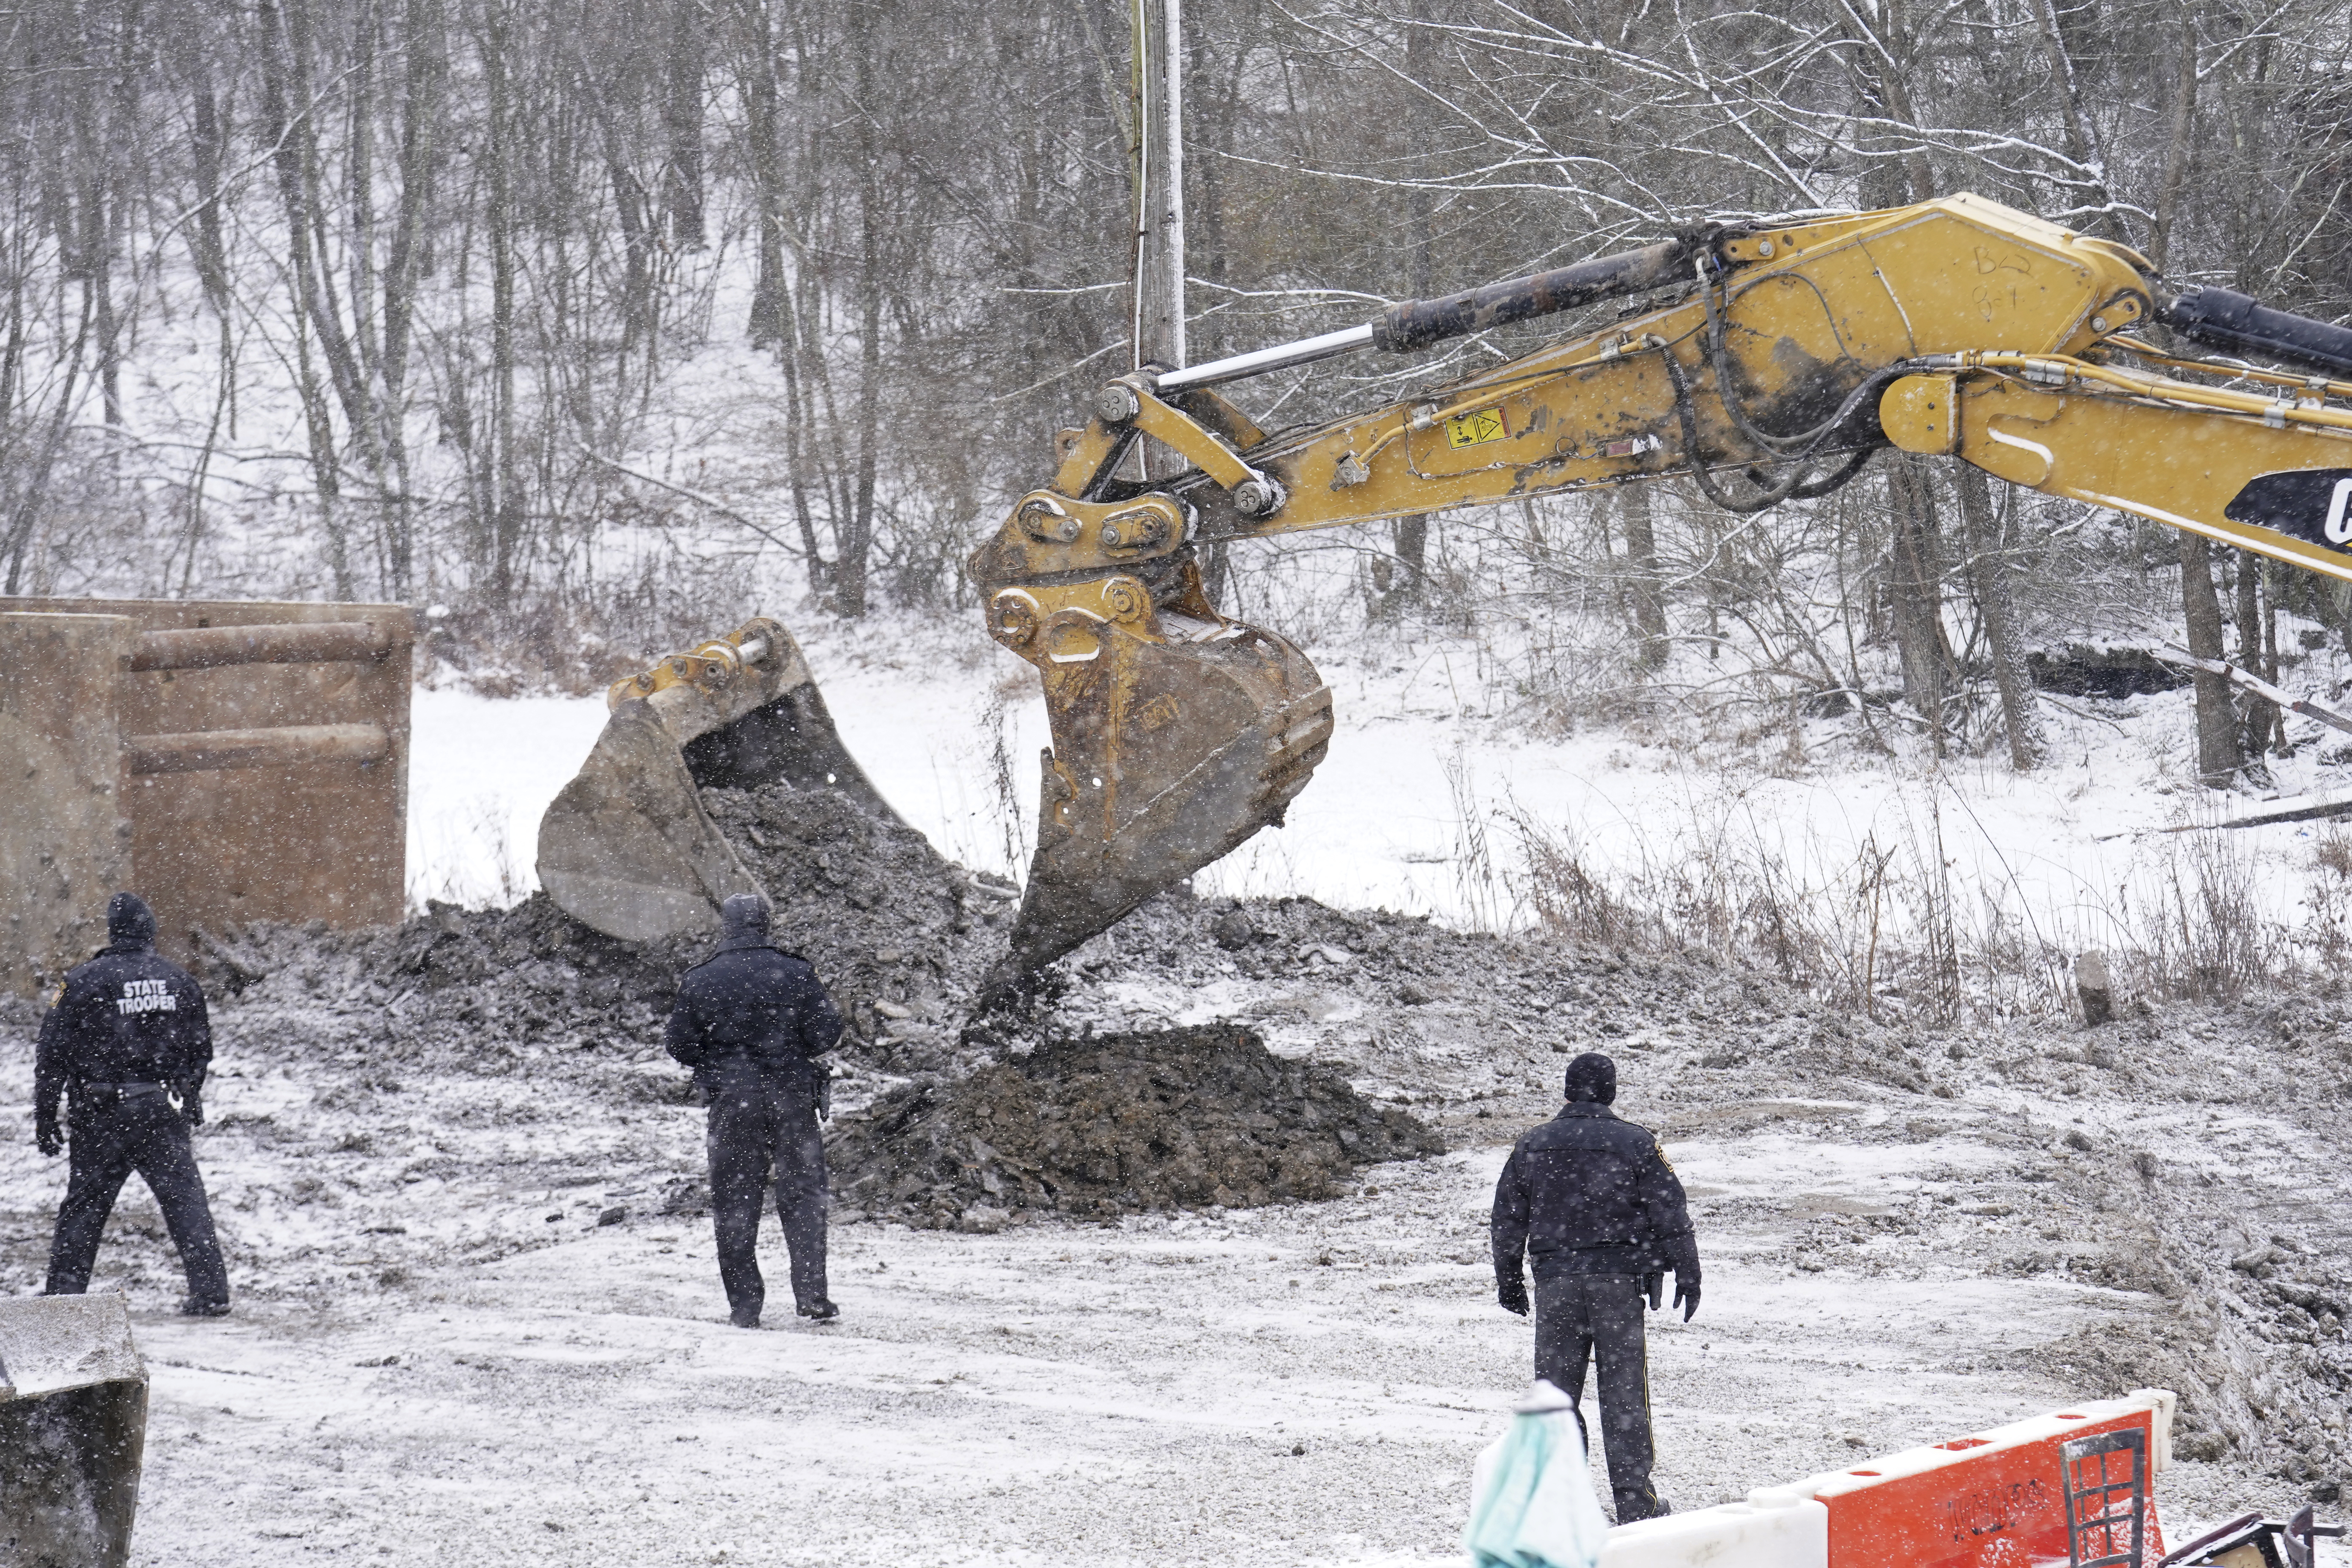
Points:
[122,1091]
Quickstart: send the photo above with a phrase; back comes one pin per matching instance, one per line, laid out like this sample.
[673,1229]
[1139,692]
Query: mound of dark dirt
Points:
[898,936]
[1119,1125]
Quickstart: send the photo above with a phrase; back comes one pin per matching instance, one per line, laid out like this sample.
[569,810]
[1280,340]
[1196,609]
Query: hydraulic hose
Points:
[1793,483]
[1767,498]
[2221,319]
[1417,323]
[1719,358]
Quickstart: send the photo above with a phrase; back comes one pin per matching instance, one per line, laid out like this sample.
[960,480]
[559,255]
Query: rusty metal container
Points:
[227,761]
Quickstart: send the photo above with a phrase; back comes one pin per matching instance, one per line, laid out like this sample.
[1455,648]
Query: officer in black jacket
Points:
[751,1021]
[1594,1204]
[129,1034]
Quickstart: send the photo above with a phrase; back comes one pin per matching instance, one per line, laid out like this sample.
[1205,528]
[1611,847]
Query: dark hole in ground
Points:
[2081,671]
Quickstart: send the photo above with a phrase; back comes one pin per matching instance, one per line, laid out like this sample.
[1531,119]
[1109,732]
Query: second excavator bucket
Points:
[1178,734]
[73,1428]
[627,845]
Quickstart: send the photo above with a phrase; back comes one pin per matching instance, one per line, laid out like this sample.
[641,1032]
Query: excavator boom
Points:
[1764,362]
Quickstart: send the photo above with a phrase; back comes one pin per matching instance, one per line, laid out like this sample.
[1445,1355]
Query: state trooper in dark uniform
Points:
[1592,1202]
[128,1036]
[751,1021]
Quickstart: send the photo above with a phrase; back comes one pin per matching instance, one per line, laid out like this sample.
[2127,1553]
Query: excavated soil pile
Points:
[1161,1120]
[898,936]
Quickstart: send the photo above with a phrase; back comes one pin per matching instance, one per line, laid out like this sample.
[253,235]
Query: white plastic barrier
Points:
[1777,1527]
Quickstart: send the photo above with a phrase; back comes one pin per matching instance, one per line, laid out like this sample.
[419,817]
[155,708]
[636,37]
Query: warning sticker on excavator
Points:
[1474,428]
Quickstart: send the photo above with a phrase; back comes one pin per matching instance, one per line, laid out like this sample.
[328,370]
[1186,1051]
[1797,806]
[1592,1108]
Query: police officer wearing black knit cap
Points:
[751,1021]
[1592,1203]
[128,1038]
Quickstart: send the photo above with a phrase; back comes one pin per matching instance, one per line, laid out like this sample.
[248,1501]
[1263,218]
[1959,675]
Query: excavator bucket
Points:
[73,1428]
[627,845]
[1177,734]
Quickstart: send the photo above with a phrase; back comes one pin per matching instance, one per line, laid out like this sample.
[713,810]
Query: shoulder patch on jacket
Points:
[1661,1150]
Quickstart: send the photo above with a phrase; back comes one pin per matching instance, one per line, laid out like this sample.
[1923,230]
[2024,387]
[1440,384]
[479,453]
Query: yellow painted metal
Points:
[1833,302]
[2310,385]
[711,666]
[1210,406]
[1049,531]
[1178,734]
[627,845]
[1919,413]
[2058,370]
[2180,464]
[1197,423]
[1179,431]
[1082,454]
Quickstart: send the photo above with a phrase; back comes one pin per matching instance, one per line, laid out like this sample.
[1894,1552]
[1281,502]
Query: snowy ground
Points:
[1433,771]
[1061,1393]
[440,1353]
[1054,1395]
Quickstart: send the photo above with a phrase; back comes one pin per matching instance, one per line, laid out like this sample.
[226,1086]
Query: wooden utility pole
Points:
[1156,85]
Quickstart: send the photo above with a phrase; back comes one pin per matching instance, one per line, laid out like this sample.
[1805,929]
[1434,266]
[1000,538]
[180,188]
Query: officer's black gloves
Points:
[192,1104]
[1682,1256]
[1511,1293]
[48,1138]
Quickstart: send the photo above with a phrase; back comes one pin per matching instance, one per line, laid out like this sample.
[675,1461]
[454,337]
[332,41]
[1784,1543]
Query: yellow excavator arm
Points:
[1764,362]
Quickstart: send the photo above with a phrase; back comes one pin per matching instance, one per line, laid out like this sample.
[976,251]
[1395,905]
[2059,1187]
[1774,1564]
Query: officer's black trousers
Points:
[762,1127]
[144,1134]
[1598,1317]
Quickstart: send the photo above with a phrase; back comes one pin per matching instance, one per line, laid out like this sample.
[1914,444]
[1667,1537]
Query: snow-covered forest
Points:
[546,310]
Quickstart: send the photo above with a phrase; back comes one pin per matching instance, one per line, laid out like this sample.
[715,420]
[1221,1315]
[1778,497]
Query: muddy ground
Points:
[455,1175]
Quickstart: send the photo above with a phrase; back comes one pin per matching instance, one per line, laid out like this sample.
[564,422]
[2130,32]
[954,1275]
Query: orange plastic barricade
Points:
[1991,1499]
